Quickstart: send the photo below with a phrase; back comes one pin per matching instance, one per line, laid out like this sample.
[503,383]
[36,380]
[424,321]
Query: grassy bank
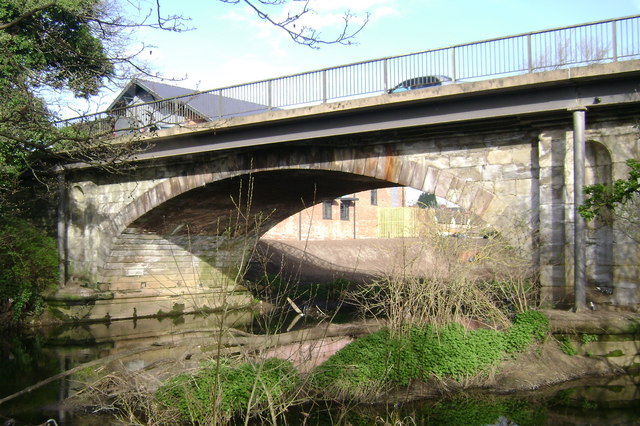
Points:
[234,390]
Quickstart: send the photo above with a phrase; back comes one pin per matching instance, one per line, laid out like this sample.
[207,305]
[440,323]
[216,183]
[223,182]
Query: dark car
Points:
[421,82]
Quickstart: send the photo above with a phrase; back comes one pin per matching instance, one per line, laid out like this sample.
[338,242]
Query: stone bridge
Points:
[170,233]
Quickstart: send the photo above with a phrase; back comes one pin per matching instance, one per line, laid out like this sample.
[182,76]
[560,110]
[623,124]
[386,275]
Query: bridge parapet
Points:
[608,41]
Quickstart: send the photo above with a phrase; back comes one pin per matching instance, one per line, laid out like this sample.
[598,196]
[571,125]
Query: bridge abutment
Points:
[507,159]
[612,272]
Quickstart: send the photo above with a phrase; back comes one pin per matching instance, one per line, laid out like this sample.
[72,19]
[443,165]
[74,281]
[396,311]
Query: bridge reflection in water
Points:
[26,360]
[131,345]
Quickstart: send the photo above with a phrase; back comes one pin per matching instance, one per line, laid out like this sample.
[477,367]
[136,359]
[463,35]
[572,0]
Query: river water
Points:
[28,359]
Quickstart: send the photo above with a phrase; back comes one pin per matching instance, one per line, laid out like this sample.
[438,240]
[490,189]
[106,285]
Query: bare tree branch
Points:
[304,35]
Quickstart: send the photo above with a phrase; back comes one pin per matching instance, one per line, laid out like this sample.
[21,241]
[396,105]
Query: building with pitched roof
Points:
[150,105]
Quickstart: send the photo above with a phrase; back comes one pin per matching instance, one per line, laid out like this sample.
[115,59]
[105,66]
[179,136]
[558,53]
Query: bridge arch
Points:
[393,170]
[161,201]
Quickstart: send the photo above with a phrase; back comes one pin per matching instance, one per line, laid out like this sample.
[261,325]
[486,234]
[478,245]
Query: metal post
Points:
[385,76]
[579,256]
[324,86]
[529,53]
[614,40]
[454,71]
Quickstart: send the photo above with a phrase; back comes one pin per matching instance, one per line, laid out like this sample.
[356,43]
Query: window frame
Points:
[327,210]
[344,210]
[374,197]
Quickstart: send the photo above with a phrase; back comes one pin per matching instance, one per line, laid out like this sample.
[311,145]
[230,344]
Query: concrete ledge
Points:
[143,304]
[594,322]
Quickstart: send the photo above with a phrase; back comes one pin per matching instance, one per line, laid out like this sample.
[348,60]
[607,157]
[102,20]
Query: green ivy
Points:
[424,352]
[588,338]
[28,266]
[222,389]
[567,347]
[527,327]
[601,198]
[360,365]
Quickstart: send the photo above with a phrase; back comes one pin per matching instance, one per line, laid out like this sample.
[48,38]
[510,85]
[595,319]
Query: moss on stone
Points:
[615,353]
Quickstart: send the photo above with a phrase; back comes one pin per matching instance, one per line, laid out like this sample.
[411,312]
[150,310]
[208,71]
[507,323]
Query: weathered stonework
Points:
[166,226]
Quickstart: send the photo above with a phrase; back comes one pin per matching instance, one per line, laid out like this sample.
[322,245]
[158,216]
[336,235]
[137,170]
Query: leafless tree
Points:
[302,34]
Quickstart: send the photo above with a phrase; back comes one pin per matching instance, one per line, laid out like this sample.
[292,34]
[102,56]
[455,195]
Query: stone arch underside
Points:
[599,268]
[192,219]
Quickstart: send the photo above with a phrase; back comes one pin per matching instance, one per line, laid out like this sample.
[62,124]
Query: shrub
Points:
[28,266]
[455,352]
[368,364]
[567,347]
[527,326]
[588,338]
[222,389]
[363,365]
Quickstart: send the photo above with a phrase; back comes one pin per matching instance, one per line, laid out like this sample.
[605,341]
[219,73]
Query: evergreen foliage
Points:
[371,362]
[44,47]
[602,198]
[28,266]
[222,389]
[426,200]
[527,327]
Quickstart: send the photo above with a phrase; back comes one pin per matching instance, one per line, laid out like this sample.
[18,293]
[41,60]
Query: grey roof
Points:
[207,105]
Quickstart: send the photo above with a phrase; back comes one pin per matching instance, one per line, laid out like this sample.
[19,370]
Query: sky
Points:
[229,44]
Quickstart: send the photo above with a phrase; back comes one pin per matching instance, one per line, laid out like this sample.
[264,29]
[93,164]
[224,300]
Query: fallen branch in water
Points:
[232,343]
[66,373]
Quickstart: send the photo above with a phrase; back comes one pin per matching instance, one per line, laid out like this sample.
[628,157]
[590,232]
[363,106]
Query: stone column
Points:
[579,240]
[552,153]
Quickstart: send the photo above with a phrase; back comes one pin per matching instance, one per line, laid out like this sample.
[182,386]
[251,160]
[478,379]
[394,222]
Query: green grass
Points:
[374,361]
[223,389]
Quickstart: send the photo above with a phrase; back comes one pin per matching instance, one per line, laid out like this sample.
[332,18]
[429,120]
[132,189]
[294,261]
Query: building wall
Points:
[364,218]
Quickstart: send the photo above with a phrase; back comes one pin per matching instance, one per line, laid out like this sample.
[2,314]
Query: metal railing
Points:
[579,45]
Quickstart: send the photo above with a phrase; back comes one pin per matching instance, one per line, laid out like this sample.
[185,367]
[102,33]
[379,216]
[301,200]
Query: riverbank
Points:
[602,344]
[140,369]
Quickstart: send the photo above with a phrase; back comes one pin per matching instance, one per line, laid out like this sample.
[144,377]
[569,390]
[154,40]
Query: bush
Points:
[566,346]
[381,358]
[455,352]
[363,365]
[28,266]
[527,326]
[222,389]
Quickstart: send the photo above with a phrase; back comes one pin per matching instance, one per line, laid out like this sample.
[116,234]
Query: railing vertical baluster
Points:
[614,40]
[220,104]
[529,53]
[324,86]
[454,70]
[385,75]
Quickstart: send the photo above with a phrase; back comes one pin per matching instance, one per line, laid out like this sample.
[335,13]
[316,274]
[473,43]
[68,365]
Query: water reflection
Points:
[594,401]
[26,359]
